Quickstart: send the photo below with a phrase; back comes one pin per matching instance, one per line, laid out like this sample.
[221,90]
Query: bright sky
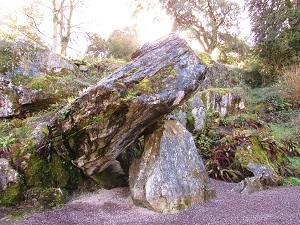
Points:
[104,16]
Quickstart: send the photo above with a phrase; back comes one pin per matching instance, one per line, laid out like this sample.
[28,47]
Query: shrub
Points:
[292,76]
[8,58]
[205,57]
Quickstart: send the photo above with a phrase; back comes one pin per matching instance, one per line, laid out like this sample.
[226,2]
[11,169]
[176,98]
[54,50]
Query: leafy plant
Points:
[204,145]
[6,142]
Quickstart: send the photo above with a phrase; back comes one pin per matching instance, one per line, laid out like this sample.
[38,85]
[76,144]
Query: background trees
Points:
[213,24]
[122,43]
[62,14]
[98,46]
[276,32]
[210,22]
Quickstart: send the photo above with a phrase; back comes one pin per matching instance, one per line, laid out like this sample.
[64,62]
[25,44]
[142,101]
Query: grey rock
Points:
[32,60]
[180,116]
[222,76]
[13,98]
[7,174]
[249,185]
[266,174]
[222,101]
[199,113]
[170,176]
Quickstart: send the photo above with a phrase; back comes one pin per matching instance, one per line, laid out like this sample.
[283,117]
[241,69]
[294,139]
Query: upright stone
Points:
[170,176]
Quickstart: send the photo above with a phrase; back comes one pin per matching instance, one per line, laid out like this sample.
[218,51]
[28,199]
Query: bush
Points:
[257,73]
[292,76]
[205,57]
[122,43]
[8,57]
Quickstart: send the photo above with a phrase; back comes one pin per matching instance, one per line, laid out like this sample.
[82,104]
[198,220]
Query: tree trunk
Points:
[65,28]
[55,26]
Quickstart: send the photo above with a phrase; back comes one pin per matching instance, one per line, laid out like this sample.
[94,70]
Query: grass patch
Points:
[282,132]
[291,181]
[294,163]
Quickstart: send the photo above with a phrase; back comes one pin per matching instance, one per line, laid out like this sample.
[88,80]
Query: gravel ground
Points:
[270,207]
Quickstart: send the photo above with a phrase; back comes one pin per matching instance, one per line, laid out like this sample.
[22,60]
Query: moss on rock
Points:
[46,197]
[12,195]
[53,173]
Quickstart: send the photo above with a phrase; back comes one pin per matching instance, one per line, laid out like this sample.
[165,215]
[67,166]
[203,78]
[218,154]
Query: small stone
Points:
[249,185]
[266,174]
[7,174]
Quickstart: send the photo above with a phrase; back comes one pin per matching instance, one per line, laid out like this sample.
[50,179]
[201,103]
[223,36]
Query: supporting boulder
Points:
[170,176]
[105,119]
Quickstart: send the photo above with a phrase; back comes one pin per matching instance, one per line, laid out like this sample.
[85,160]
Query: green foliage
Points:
[205,57]
[8,57]
[190,121]
[129,95]
[98,46]
[276,30]
[101,67]
[7,141]
[51,172]
[47,197]
[279,103]
[204,145]
[51,197]
[294,162]
[255,75]
[210,22]
[291,181]
[41,82]
[282,131]
[12,195]
[233,51]
[242,120]
[122,43]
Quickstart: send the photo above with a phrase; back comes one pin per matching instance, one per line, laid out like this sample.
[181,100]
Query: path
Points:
[278,206]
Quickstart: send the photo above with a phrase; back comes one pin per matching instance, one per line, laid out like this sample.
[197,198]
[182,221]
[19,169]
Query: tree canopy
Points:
[276,31]
[122,43]
[210,22]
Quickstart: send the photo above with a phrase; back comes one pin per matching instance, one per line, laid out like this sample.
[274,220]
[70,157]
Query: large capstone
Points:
[170,176]
[107,118]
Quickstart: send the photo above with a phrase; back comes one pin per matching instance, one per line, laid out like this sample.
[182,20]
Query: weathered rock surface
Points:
[264,177]
[170,176]
[249,185]
[222,76]
[7,174]
[104,120]
[265,173]
[25,58]
[13,98]
[223,101]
